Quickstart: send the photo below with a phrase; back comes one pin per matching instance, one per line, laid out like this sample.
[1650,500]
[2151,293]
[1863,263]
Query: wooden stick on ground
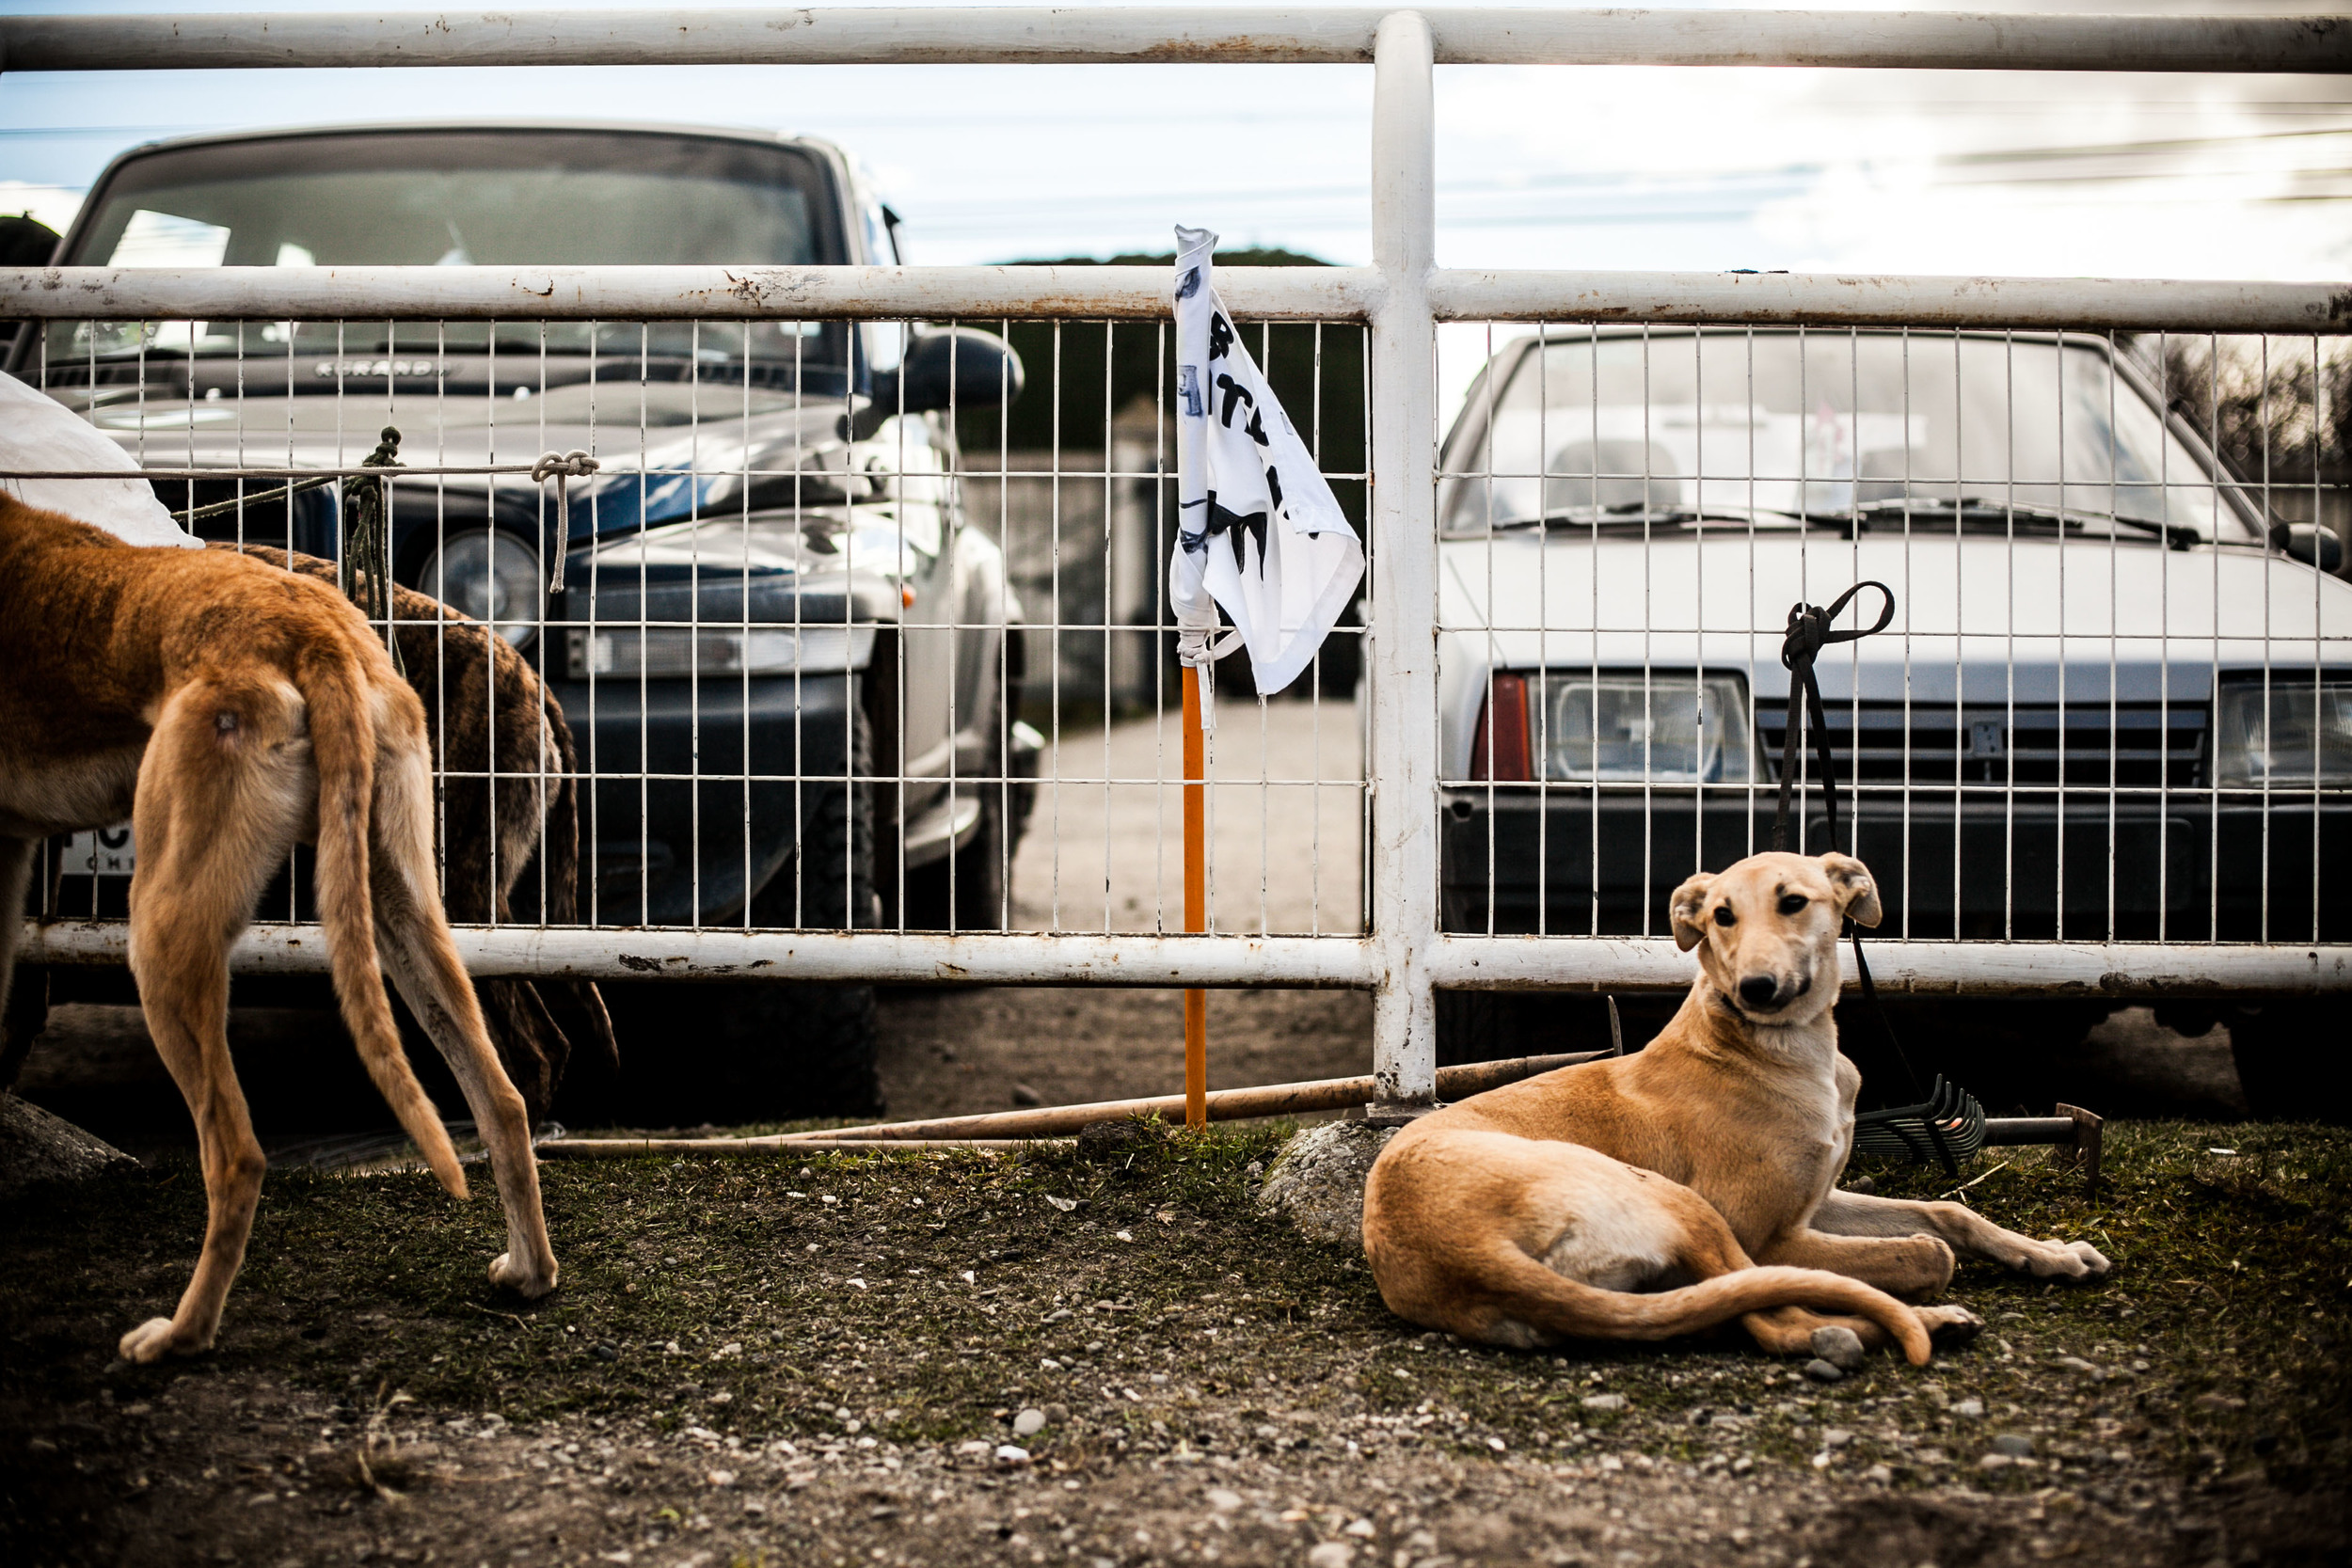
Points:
[1014,1128]
[622,1148]
[1272,1099]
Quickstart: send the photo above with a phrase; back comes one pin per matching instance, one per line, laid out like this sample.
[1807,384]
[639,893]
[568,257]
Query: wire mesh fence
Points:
[894,658]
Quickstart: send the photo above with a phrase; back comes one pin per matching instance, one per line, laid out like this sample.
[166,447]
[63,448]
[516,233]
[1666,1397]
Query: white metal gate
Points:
[1408,779]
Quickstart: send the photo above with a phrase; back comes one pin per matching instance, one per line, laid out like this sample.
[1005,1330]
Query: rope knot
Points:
[1808,629]
[575,464]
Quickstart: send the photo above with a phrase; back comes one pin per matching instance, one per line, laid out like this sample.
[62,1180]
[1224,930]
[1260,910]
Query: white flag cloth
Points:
[38,433]
[1258,531]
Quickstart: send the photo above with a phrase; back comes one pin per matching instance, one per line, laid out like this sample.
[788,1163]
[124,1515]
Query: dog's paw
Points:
[2056,1259]
[1949,1326]
[2095,1264]
[529,1284]
[148,1342]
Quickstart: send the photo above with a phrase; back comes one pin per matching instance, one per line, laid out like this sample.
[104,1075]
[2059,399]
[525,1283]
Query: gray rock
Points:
[1972,1409]
[1604,1402]
[2014,1446]
[37,1149]
[1318,1181]
[1838,1345]
[1824,1372]
[1028,1423]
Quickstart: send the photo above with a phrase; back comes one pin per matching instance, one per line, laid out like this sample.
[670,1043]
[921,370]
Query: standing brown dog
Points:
[230,708]
[1635,1198]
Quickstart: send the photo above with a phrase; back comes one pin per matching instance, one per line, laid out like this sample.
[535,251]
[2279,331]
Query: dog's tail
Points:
[342,747]
[1523,1289]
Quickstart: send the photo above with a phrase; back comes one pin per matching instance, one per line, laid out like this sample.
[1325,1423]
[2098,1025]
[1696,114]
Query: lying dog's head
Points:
[1767,927]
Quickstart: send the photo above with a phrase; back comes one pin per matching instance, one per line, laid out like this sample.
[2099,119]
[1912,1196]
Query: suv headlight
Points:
[1655,729]
[663,653]
[492,576]
[2282,734]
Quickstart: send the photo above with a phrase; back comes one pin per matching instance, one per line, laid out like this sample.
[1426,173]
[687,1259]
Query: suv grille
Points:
[2136,745]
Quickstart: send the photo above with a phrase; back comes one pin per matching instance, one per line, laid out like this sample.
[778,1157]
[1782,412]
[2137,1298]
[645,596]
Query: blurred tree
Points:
[2278,411]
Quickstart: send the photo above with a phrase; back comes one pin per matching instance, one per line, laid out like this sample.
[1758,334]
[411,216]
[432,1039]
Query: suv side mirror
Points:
[958,365]
[979,369]
[2308,542]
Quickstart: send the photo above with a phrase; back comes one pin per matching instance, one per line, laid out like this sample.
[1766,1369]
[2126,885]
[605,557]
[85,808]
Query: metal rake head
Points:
[1948,1127]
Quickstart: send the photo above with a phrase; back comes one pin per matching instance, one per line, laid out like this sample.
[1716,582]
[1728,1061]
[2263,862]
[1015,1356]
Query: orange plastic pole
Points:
[1196,902]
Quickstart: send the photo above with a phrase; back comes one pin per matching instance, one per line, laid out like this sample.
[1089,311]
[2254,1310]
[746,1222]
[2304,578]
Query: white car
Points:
[2114,703]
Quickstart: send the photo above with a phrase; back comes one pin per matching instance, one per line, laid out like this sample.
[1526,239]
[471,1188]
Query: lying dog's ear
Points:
[1688,901]
[1857,890]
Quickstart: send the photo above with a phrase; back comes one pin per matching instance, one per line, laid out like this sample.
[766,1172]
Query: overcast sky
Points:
[2019,173]
[1946,172]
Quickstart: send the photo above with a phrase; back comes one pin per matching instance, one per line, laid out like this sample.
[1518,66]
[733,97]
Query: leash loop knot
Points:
[559,467]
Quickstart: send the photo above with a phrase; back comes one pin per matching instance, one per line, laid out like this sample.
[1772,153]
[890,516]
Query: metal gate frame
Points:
[1402,296]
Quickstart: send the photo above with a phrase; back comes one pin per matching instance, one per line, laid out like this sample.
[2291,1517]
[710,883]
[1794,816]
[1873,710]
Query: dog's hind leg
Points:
[221,792]
[413,938]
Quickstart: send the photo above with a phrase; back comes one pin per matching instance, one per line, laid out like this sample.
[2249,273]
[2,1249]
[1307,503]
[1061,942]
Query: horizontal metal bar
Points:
[2010,1132]
[1041,35]
[701,293]
[2120,970]
[1268,293]
[1830,299]
[879,957]
[2079,969]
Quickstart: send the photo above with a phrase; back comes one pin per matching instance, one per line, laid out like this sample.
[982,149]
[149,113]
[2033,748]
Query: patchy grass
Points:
[921,1300]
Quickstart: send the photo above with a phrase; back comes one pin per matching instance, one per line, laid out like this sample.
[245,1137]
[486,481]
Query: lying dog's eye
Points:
[1723,915]
[1794,904]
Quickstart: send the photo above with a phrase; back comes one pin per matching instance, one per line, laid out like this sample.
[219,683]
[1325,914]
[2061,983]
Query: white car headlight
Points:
[2287,733]
[1659,729]
[492,576]
[661,652]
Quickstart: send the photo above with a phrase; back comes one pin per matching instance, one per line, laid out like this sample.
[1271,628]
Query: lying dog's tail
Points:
[1523,1289]
[342,750]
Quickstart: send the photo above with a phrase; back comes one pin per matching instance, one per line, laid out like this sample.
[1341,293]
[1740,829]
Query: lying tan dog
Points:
[230,709]
[1660,1194]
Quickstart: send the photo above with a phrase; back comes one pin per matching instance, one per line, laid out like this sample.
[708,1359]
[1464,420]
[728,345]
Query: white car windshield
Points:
[1875,430]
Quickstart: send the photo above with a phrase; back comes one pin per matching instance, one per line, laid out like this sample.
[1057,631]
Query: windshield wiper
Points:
[2174,534]
[1625,515]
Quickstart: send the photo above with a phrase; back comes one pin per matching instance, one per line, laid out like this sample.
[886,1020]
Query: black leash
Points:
[1809,632]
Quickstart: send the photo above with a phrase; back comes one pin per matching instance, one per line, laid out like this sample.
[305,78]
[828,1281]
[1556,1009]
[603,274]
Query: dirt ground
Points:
[957,1359]
[766,1362]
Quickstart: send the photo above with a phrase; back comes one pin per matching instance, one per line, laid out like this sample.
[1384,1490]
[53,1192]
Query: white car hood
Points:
[2037,601]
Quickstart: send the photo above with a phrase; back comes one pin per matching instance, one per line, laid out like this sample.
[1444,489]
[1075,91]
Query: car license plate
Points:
[104,852]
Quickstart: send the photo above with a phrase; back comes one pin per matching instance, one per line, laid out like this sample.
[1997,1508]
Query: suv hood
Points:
[669,451]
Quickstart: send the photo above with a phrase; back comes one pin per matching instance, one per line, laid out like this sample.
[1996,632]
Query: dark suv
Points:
[793,671]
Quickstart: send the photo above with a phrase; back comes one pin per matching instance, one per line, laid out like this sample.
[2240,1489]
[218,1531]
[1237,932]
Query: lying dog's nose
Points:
[1757,990]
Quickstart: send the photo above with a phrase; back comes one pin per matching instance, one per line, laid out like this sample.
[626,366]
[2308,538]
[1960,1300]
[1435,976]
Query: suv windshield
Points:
[456,197]
[1861,430]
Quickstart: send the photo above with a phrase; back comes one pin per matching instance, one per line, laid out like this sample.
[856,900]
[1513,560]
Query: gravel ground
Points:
[761,1362]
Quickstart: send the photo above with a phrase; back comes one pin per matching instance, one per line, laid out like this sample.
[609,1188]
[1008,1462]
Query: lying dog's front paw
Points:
[1949,1326]
[2056,1259]
[529,1284]
[152,1342]
[2095,1264]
